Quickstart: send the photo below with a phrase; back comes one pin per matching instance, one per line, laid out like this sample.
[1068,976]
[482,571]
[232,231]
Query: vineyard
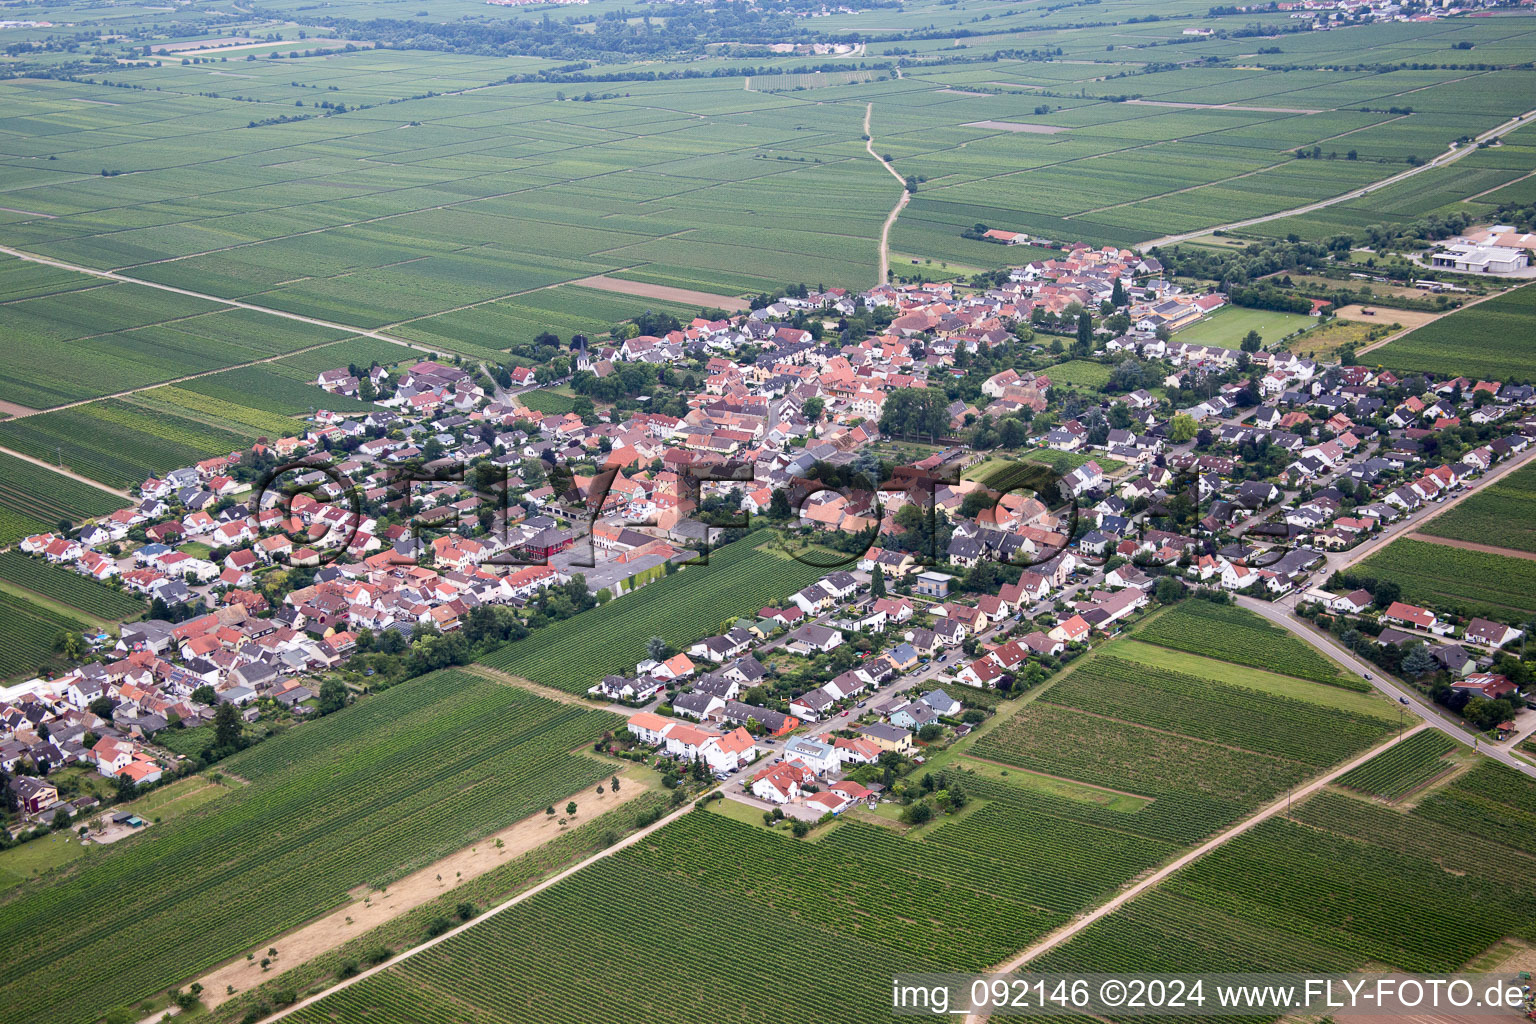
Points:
[116,442]
[1342,884]
[384,787]
[1228,633]
[960,897]
[1252,720]
[680,608]
[34,499]
[1498,514]
[27,634]
[1198,785]
[68,587]
[1447,578]
[1403,769]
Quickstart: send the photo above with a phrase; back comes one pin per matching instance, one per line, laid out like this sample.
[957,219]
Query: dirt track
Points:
[354,919]
[663,292]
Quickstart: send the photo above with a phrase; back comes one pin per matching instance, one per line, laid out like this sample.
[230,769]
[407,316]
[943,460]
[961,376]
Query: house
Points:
[781,783]
[1412,615]
[1494,634]
[887,737]
[697,705]
[913,715]
[1485,684]
[1074,630]
[1352,603]
[819,757]
[933,584]
[811,705]
[941,702]
[34,795]
[814,638]
[856,751]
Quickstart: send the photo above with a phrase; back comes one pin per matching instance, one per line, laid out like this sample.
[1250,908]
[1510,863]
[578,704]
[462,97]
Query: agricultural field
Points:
[691,603]
[1407,766]
[35,500]
[1229,633]
[974,889]
[550,403]
[68,588]
[120,442]
[1491,340]
[1455,579]
[1338,885]
[1499,514]
[27,635]
[393,783]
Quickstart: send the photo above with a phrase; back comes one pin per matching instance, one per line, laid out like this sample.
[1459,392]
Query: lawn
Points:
[1229,325]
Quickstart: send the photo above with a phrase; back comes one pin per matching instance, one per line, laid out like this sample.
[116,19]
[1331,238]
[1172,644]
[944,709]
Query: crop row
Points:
[408,776]
[47,497]
[1404,768]
[1469,582]
[1205,709]
[1499,514]
[680,608]
[27,635]
[1233,634]
[68,587]
[1206,784]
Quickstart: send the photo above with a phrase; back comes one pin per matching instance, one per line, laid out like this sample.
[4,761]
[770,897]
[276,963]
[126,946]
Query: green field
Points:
[34,500]
[1229,325]
[1229,633]
[1404,768]
[392,783]
[1499,514]
[27,635]
[681,608]
[1454,579]
[1491,341]
[69,588]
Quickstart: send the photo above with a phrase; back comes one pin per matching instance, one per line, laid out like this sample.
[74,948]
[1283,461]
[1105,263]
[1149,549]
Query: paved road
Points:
[1407,697]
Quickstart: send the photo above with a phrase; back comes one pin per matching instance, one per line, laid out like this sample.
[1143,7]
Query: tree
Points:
[812,409]
[1252,342]
[1117,296]
[226,726]
[333,695]
[655,647]
[1085,331]
[1418,661]
[877,583]
[206,694]
[615,783]
[778,505]
[69,644]
[126,788]
[1169,590]
[1183,428]
[1386,593]
[570,808]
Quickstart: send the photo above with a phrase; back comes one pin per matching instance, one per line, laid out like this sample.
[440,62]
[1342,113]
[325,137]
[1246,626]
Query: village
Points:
[455,509]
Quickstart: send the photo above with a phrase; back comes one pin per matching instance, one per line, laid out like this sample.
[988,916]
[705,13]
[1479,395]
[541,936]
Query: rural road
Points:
[1444,159]
[1065,932]
[906,197]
